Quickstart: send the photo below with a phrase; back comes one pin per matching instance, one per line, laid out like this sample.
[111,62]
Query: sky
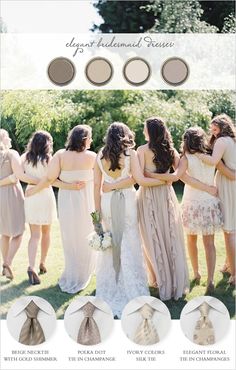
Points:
[49,16]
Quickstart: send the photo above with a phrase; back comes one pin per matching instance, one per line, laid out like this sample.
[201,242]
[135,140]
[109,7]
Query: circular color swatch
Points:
[136,71]
[99,71]
[175,71]
[61,71]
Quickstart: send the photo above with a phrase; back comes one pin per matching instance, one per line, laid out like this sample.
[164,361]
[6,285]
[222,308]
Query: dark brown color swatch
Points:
[61,71]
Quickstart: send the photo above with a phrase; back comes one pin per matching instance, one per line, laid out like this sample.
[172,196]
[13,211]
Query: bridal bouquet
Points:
[99,240]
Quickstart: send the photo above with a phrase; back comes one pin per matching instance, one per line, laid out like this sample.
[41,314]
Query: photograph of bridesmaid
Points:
[74,166]
[12,215]
[159,214]
[201,210]
[223,142]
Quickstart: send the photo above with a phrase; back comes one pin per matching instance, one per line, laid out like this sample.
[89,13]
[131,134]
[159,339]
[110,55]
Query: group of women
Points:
[146,225]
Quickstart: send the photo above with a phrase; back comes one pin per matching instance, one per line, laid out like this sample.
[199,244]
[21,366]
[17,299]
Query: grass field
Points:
[49,290]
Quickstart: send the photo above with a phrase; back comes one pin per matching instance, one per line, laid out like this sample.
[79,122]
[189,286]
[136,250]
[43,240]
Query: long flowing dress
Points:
[163,240]
[131,281]
[74,208]
[40,208]
[226,187]
[201,211]
[12,216]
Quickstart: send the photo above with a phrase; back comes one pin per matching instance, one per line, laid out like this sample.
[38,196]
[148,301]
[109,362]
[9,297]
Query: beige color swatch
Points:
[61,71]
[175,71]
[99,71]
[136,71]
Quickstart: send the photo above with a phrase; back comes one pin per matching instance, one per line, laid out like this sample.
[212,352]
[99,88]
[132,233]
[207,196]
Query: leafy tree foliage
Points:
[168,16]
[24,112]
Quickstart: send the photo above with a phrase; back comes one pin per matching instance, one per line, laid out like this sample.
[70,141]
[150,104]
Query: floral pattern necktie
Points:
[204,331]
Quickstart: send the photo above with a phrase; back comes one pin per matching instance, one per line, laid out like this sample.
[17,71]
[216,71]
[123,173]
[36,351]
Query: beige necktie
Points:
[88,331]
[146,332]
[31,331]
[204,331]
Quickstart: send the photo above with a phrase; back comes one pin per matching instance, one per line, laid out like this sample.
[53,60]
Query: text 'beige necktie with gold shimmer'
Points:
[204,331]
[146,332]
[88,331]
[31,331]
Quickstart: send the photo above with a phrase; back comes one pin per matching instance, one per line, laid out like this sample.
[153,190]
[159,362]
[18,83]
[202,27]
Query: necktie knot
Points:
[32,310]
[147,312]
[204,309]
[88,309]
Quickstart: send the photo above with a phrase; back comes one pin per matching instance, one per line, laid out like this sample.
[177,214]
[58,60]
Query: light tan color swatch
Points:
[99,71]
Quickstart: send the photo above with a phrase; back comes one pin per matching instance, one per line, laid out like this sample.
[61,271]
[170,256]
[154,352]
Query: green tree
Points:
[179,17]
[123,17]
[170,16]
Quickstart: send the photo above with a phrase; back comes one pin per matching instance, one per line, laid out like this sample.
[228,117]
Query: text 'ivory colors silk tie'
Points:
[31,331]
[88,331]
[146,332]
[204,331]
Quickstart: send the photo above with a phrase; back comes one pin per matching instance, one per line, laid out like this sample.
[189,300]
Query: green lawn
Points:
[49,289]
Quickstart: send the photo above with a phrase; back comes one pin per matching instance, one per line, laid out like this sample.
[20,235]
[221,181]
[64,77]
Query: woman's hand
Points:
[76,186]
[212,190]
[29,192]
[106,187]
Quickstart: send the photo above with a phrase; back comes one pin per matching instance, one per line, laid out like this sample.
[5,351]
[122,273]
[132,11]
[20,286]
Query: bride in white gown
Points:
[120,273]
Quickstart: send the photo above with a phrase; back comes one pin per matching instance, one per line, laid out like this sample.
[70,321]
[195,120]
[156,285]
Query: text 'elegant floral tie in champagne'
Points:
[146,332]
[204,331]
[88,331]
[31,332]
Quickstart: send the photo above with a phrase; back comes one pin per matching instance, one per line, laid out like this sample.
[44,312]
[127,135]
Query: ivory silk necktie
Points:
[88,331]
[31,331]
[204,331]
[146,332]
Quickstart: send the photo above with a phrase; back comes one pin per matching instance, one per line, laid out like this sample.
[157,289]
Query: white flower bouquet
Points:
[99,240]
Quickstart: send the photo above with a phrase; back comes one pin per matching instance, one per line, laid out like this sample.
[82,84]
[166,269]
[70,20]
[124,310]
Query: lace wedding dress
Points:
[131,281]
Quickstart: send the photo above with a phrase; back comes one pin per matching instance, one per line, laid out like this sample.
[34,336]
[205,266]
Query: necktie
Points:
[204,331]
[31,331]
[88,331]
[146,332]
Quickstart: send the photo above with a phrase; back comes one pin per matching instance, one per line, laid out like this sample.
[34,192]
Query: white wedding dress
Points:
[132,279]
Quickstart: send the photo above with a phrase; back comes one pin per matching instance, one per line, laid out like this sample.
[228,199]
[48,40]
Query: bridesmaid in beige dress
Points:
[12,216]
[74,165]
[223,141]
[159,214]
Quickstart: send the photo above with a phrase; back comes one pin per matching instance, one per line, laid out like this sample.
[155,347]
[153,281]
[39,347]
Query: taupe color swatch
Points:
[61,71]
[136,71]
[99,71]
[175,71]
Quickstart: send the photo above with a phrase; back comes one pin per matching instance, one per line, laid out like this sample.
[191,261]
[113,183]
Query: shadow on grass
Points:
[53,294]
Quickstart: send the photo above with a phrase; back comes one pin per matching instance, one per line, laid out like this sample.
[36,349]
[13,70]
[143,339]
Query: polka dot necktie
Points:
[204,331]
[146,332]
[88,332]
[31,332]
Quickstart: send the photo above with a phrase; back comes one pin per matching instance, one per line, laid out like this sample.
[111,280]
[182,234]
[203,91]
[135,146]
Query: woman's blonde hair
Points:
[4,146]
